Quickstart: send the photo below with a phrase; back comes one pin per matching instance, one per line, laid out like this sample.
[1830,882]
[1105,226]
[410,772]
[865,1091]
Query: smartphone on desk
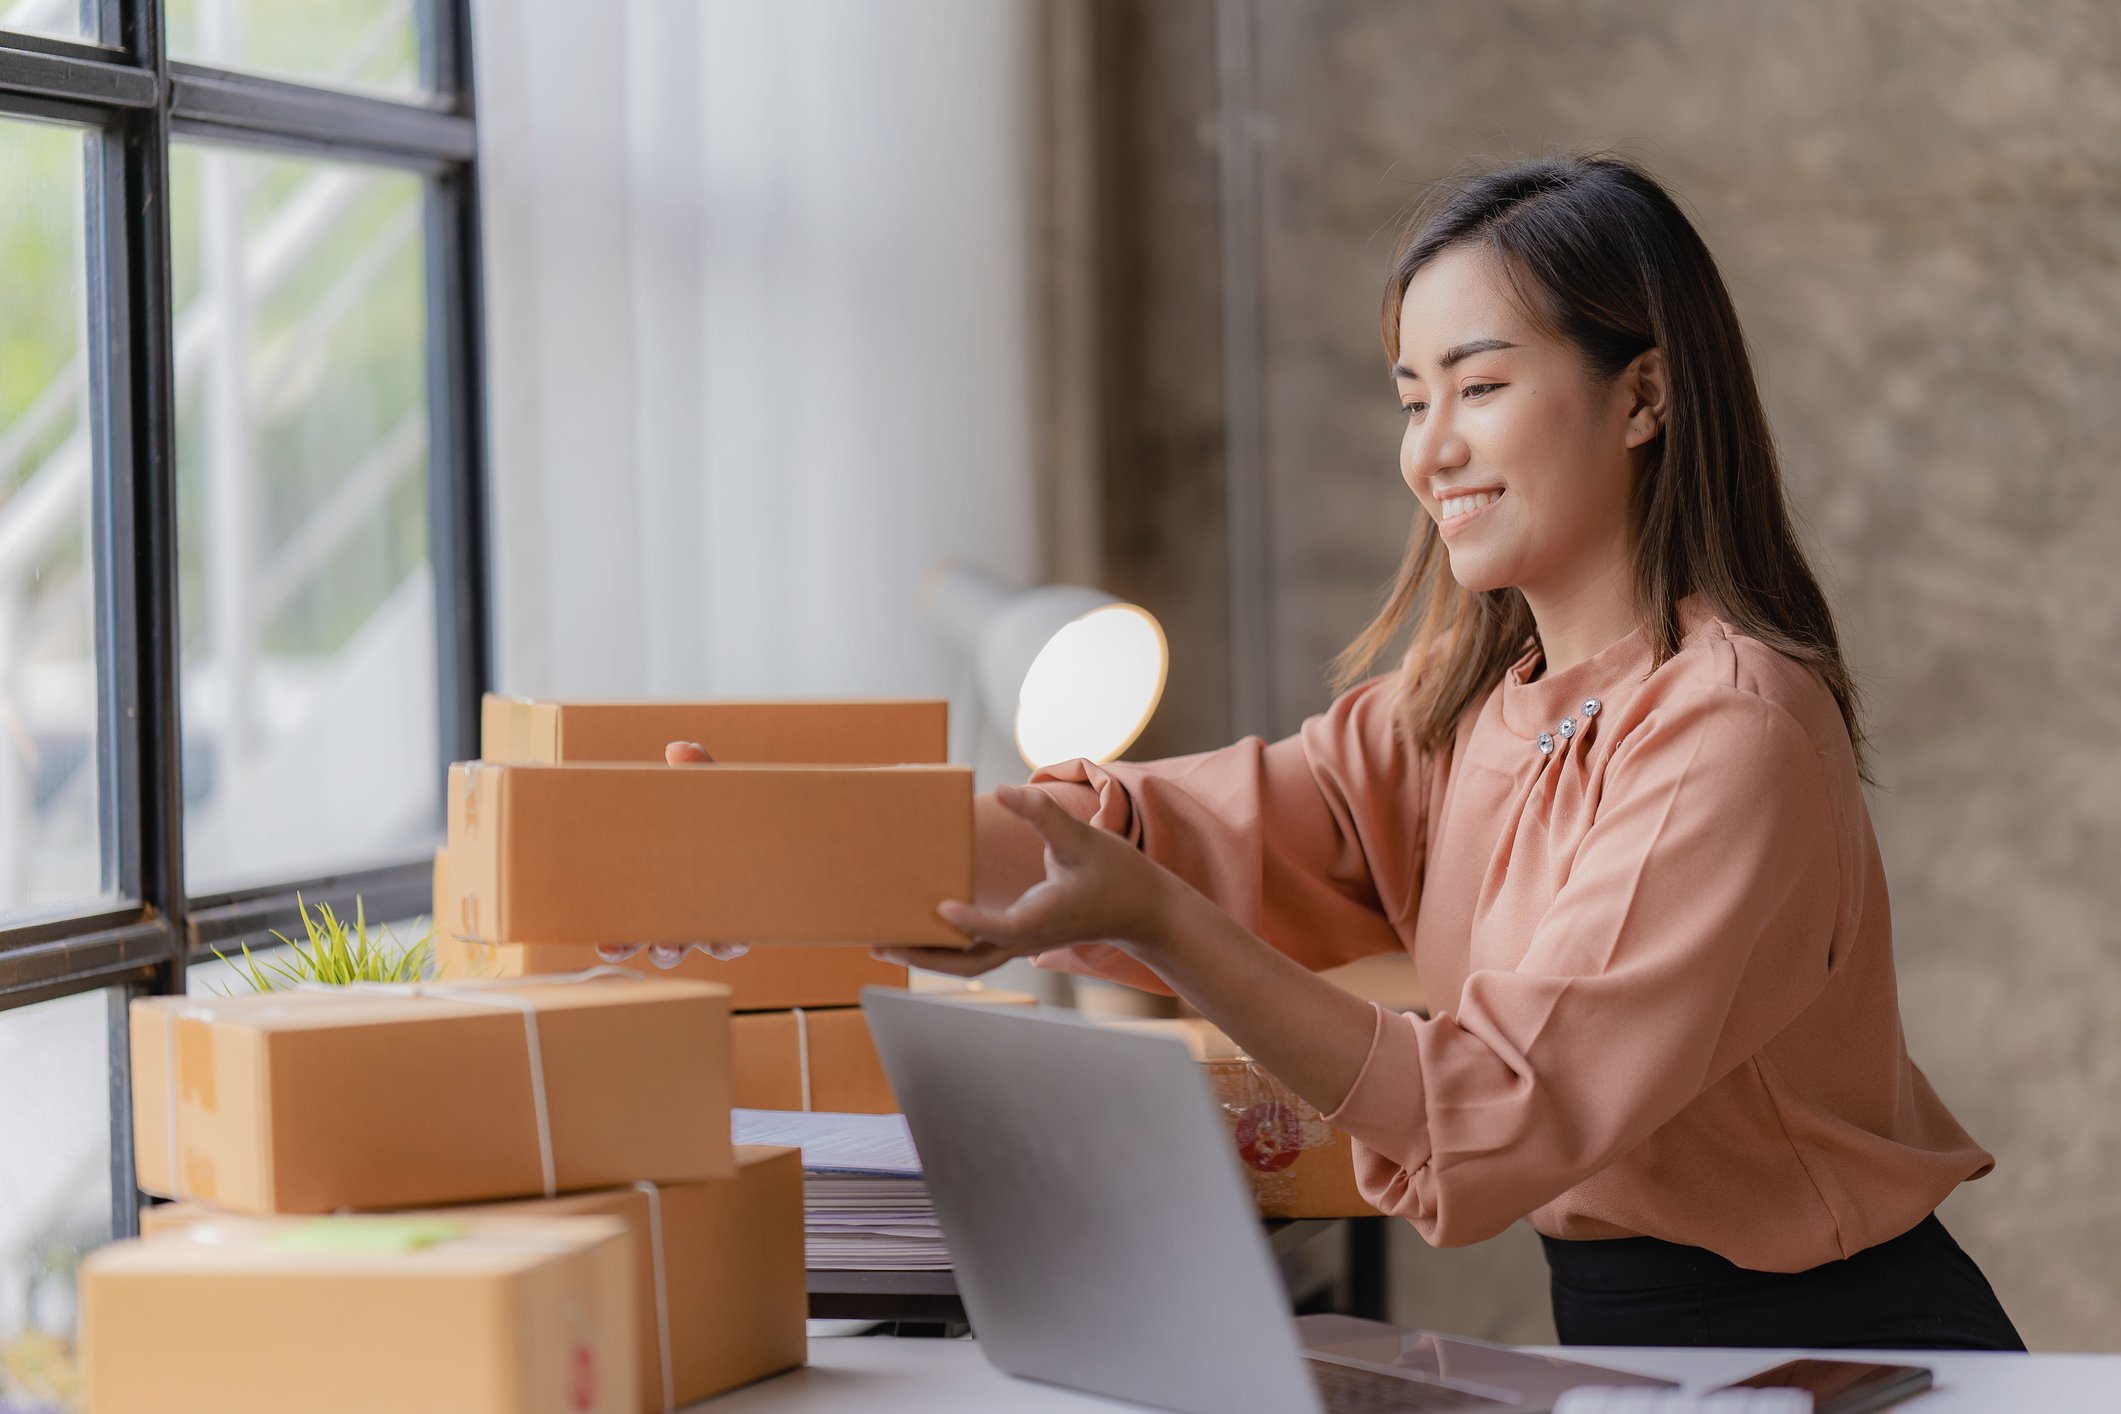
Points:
[1842,1386]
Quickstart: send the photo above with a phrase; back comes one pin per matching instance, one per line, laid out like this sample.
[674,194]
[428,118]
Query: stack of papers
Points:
[865,1207]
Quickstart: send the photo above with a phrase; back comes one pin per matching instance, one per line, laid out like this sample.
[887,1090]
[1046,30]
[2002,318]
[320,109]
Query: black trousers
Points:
[1918,1291]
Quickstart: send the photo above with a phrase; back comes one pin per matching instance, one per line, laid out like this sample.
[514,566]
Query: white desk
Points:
[884,1376]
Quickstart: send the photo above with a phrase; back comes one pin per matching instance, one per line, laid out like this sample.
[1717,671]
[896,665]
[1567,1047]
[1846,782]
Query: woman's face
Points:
[1519,454]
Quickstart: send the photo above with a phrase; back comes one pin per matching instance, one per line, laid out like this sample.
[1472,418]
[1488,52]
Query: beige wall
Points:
[1918,209]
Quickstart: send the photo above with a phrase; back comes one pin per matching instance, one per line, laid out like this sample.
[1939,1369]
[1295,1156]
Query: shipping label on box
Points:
[718,1269]
[744,854]
[877,732]
[1298,1165]
[351,1315]
[764,979]
[399,1096]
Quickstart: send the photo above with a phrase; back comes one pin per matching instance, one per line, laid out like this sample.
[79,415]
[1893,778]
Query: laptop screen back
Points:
[1102,1235]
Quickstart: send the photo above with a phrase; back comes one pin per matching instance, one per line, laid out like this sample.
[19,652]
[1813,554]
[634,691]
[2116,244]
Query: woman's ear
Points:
[1644,385]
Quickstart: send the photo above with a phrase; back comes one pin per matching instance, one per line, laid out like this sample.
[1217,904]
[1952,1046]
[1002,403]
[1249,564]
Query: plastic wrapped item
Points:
[1299,1166]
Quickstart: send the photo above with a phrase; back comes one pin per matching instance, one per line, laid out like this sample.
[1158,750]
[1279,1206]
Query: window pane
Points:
[311,715]
[55,1200]
[51,840]
[356,44]
[68,19]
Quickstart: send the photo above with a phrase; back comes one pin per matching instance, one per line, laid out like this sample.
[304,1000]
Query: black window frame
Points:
[129,99]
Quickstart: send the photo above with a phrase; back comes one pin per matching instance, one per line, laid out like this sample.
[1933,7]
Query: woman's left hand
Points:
[1097,889]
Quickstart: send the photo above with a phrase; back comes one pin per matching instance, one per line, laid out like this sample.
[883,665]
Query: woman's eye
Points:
[1409,409]
[1473,389]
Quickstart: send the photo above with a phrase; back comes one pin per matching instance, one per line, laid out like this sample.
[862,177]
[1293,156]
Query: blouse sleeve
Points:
[1314,842]
[1700,916]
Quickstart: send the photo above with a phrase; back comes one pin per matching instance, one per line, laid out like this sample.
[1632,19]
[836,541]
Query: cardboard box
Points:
[1299,1166]
[768,1058]
[822,1060]
[748,854]
[764,979]
[398,1097]
[876,732]
[732,1263]
[355,1315]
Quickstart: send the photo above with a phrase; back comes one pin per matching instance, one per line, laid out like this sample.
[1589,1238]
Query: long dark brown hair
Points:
[1602,257]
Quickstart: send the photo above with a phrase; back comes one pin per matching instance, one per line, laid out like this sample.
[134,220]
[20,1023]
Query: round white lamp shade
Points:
[1062,671]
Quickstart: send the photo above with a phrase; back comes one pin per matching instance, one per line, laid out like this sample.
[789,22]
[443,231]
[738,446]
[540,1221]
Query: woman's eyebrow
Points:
[1457,353]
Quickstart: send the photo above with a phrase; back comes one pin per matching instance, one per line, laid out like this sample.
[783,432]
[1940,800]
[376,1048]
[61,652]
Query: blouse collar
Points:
[1532,707]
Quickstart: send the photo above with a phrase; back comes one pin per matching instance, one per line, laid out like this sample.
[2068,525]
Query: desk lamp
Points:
[1058,672]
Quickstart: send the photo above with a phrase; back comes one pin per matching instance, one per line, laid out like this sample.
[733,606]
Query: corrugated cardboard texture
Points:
[732,1260]
[311,1102]
[1298,1165]
[764,979]
[885,732]
[750,854]
[527,1315]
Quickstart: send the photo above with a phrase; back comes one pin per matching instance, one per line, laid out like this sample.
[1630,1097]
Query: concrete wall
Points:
[1918,209]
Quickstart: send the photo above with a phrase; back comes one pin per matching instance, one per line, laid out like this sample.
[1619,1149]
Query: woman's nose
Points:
[1428,451]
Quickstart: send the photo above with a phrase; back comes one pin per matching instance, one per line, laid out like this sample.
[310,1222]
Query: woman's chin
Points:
[1475,577]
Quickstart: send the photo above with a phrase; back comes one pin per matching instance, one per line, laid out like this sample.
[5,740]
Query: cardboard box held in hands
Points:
[884,732]
[764,979]
[731,1301]
[351,1315]
[405,1096]
[748,854]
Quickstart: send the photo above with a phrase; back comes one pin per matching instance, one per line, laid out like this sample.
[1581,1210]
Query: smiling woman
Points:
[1611,802]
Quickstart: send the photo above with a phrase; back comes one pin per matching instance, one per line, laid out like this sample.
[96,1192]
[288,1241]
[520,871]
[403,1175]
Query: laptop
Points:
[1105,1240]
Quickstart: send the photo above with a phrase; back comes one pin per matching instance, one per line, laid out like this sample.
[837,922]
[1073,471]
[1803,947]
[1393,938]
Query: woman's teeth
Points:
[1459,505]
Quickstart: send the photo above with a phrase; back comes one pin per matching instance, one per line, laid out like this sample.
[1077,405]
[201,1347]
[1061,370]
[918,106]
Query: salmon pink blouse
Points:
[1650,916]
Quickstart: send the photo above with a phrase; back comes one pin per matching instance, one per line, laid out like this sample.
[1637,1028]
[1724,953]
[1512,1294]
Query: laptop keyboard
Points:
[1344,1389]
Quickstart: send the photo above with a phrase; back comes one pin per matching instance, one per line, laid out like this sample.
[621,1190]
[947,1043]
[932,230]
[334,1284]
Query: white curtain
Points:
[759,288]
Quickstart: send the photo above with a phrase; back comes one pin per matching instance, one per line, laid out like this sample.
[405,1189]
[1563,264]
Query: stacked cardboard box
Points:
[717,1269]
[818,820]
[1298,1165]
[353,1315]
[402,1097]
[818,823]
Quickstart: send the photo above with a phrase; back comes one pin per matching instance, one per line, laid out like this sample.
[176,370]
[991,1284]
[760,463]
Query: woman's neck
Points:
[1577,625]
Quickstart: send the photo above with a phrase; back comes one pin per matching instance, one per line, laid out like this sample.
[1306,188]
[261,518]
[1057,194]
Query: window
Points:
[242,603]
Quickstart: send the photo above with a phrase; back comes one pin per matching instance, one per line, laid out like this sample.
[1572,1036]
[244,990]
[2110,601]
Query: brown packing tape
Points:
[227,1106]
[874,732]
[763,979]
[751,854]
[729,1304]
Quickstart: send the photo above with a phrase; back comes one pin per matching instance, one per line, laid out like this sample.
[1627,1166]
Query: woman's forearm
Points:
[1306,1032]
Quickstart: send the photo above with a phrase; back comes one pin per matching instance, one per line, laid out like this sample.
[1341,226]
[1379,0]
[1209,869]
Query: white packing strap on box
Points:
[802,1054]
[662,1290]
[486,991]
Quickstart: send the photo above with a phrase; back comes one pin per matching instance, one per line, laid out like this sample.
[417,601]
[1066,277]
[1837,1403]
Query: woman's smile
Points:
[1457,512]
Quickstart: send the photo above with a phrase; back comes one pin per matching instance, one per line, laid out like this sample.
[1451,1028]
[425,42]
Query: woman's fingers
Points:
[686,753]
[1064,833]
[617,952]
[957,962]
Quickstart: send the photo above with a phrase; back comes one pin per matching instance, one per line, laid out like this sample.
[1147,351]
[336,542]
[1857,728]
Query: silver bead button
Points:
[1546,743]
[1591,706]
[1567,728]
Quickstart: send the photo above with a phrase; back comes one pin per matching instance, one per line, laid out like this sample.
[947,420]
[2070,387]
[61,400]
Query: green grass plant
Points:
[335,954]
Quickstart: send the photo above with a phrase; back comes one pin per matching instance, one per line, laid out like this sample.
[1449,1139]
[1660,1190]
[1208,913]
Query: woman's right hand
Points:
[669,955]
